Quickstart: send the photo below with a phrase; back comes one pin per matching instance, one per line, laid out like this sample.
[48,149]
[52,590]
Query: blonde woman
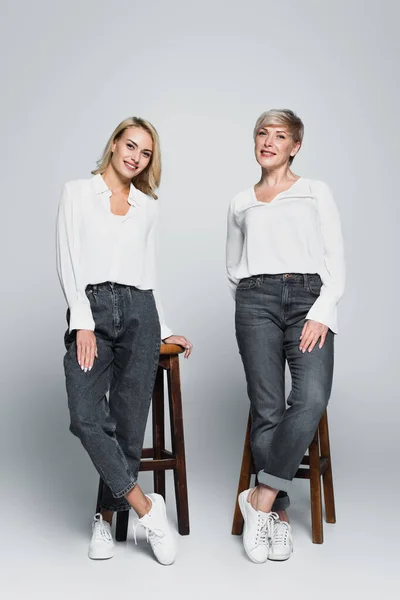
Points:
[285,264]
[106,255]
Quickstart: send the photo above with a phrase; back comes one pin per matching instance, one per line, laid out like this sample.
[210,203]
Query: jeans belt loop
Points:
[305,280]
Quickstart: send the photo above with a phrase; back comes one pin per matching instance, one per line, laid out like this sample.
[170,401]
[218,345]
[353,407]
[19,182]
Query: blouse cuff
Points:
[232,287]
[165,331]
[324,310]
[81,317]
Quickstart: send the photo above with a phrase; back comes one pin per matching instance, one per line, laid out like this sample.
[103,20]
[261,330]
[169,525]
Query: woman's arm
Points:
[166,333]
[234,248]
[165,330]
[68,268]
[150,269]
[324,309]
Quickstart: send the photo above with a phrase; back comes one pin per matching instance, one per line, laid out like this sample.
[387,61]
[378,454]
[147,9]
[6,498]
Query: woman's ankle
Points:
[140,503]
[262,498]
[283,516]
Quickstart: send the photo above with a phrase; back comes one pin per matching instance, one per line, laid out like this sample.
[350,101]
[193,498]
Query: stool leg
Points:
[158,430]
[178,444]
[327,477]
[315,492]
[244,481]
[121,529]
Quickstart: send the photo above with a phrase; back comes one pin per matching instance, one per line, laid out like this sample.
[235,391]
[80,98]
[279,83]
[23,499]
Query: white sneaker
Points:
[282,543]
[258,529]
[158,531]
[101,545]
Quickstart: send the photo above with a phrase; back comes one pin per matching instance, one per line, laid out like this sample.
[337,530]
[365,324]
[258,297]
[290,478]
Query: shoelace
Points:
[281,533]
[265,528]
[100,529]
[153,535]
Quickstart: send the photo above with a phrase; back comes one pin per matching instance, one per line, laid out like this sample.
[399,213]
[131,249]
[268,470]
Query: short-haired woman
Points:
[285,264]
[106,255]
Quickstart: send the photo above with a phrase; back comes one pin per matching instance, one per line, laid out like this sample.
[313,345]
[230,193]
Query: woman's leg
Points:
[136,354]
[91,418]
[311,374]
[260,338]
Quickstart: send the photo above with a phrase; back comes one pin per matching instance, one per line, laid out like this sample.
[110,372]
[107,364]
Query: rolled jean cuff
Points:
[274,482]
[281,503]
[125,491]
[120,507]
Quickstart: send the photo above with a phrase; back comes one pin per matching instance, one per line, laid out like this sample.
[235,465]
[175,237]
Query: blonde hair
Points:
[149,179]
[284,117]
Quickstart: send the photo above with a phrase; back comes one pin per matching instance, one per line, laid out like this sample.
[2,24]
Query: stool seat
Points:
[313,466]
[157,458]
[171,349]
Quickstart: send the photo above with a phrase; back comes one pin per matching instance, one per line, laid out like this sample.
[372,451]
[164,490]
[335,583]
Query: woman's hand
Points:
[311,333]
[86,348]
[181,341]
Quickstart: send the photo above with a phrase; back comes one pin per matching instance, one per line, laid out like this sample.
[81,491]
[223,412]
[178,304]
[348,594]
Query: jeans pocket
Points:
[248,283]
[314,287]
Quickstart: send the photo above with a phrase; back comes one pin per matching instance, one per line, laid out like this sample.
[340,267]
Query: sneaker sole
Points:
[242,501]
[280,558]
[99,555]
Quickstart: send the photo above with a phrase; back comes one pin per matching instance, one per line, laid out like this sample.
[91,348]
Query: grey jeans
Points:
[270,315]
[128,335]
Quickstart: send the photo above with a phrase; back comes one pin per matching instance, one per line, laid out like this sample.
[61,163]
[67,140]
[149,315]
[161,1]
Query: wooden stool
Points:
[315,464]
[162,459]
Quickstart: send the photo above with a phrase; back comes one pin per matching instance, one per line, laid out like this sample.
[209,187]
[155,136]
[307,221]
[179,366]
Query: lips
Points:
[130,166]
[267,154]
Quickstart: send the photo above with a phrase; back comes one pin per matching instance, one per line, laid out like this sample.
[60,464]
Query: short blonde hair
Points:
[149,179]
[285,117]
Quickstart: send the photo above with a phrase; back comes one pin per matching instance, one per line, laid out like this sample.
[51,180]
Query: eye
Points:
[282,137]
[147,154]
[130,146]
[262,133]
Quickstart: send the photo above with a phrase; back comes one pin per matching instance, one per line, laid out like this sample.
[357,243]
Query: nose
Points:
[268,141]
[135,156]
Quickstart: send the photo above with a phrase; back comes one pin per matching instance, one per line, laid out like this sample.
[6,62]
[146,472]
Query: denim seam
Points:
[124,491]
[283,300]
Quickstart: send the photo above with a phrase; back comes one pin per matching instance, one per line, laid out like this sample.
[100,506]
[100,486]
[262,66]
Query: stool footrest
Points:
[150,453]
[158,464]
[304,472]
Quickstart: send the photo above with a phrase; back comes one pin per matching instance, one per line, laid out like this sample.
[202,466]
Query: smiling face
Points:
[274,146]
[132,152]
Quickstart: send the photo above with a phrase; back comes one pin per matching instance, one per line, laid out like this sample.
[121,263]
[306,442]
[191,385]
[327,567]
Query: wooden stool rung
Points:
[158,464]
[148,453]
[303,473]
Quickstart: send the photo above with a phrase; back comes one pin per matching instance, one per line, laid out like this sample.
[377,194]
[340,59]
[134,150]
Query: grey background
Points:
[202,73]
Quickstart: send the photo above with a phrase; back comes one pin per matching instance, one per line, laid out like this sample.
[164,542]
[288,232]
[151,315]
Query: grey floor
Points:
[46,551]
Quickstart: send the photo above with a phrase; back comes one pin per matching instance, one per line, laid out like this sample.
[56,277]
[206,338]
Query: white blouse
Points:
[298,232]
[94,245]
